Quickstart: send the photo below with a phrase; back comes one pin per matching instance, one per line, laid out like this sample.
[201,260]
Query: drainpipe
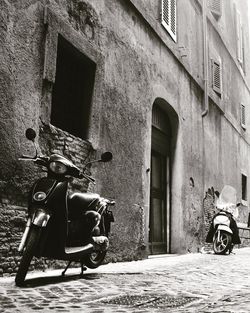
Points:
[205,102]
[205,58]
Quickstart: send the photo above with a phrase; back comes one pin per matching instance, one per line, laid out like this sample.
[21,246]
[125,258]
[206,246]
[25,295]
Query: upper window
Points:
[239,37]
[72,90]
[168,17]
[215,7]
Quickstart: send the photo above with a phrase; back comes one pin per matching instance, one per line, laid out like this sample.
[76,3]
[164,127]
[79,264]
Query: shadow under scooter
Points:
[55,279]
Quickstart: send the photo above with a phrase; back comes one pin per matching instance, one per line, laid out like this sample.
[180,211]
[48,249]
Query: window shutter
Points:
[243,116]
[216,76]
[215,7]
[168,17]
[239,37]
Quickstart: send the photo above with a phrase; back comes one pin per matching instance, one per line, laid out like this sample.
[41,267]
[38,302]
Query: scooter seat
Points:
[81,202]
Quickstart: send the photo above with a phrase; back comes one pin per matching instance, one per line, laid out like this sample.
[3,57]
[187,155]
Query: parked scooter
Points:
[60,226]
[223,232]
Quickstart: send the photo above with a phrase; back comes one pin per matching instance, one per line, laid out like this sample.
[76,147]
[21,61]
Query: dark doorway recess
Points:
[159,225]
[73,89]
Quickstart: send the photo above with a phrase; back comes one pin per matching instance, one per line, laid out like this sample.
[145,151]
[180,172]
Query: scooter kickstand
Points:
[83,268]
[64,271]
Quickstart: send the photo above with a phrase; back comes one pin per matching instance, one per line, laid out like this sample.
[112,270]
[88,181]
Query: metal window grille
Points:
[215,7]
[243,116]
[216,76]
[168,17]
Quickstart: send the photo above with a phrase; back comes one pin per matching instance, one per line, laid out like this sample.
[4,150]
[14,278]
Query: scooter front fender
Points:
[40,218]
[225,228]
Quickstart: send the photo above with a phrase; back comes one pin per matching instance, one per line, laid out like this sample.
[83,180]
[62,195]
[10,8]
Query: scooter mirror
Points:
[106,157]
[30,134]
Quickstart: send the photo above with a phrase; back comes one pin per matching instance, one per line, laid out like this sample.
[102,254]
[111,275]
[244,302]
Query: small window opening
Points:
[244,187]
[73,89]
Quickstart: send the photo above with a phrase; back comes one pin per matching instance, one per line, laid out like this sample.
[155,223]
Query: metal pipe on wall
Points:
[205,58]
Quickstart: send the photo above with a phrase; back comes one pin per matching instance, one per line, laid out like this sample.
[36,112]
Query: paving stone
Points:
[184,283]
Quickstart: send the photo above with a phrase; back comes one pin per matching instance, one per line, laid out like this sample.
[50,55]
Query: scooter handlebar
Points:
[26,158]
[38,160]
[82,175]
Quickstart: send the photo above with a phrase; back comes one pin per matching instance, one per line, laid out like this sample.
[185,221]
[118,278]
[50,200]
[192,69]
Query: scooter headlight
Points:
[58,167]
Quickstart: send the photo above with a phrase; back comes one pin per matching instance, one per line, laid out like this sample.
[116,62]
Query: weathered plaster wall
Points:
[137,63]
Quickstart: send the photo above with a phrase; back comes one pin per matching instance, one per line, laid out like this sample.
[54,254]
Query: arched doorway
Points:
[159,219]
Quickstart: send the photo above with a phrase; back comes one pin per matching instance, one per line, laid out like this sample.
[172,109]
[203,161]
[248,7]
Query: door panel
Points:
[157,235]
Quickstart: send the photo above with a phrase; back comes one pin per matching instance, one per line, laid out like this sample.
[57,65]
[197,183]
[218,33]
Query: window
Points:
[244,187]
[216,76]
[72,90]
[168,17]
[239,37]
[215,7]
[243,115]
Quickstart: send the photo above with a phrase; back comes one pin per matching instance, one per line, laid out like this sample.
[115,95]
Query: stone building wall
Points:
[137,65]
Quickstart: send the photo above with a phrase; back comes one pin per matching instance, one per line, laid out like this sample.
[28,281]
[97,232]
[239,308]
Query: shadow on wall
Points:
[209,209]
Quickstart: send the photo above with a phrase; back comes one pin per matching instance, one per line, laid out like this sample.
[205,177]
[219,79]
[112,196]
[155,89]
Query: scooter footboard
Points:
[225,228]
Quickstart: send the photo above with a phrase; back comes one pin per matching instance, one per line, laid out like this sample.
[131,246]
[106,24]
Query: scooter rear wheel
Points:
[222,242]
[29,251]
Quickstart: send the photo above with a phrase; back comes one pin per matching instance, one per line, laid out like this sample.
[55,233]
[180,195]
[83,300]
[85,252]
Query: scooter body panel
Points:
[225,228]
[51,214]
[40,217]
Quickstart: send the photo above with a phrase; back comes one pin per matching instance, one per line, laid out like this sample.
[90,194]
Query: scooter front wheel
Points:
[29,251]
[222,242]
[94,259]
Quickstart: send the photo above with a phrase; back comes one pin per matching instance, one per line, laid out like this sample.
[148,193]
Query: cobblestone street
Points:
[185,283]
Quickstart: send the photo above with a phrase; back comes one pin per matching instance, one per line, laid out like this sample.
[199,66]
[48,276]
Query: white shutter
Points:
[239,34]
[243,115]
[216,76]
[215,7]
[168,17]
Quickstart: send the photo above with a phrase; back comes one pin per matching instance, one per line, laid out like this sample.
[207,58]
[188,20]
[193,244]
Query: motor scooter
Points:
[223,232]
[63,226]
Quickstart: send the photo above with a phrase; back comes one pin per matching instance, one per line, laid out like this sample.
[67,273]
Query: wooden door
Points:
[159,219]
